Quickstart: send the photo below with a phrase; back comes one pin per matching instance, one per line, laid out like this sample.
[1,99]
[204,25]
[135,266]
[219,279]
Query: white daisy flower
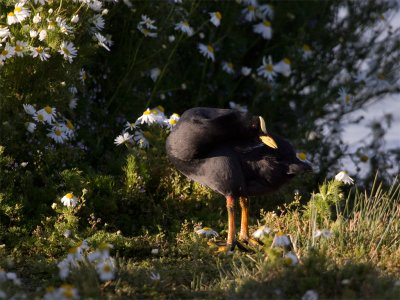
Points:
[76,252]
[103,41]
[146,32]
[73,103]
[262,232]
[326,233]
[246,71]
[171,38]
[265,11]
[106,269]
[155,276]
[146,21]
[39,116]
[264,28]
[68,128]
[266,70]
[7,52]
[40,52]
[207,232]
[344,96]
[170,123]
[11,18]
[123,138]
[310,295]
[75,19]
[147,118]
[130,126]
[57,134]
[68,51]
[102,252]
[42,35]
[95,5]
[343,177]
[307,52]
[49,113]
[64,27]
[283,67]
[290,259]
[69,200]
[175,116]
[215,18]
[37,18]
[281,240]
[154,73]
[51,25]
[207,51]
[228,67]
[4,33]
[33,33]
[98,22]
[249,13]
[21,12]
[63,269]
[31,127]
[20,47]
[241,108]
[184,27]
[140,139]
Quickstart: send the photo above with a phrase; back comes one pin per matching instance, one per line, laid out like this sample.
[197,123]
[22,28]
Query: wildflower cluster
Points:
[42,29]
[59,130]
[280,242]
[133,135]
[99,258]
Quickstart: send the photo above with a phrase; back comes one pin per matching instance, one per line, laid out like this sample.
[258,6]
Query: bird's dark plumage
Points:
[222,149]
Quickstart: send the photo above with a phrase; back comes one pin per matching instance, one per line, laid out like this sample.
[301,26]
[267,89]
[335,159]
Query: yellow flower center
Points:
[230,65]
[218,15]
[17,10]
[66,51]
[175,115]
[154,111]
[107,268]
[39,49]
[104,246]
[347,98]
[10,14]
[69,195]
[50,289]
[172,121]
[286,61]
[4,52]
[68,293]
[18,48]
[160,108]
[185,23]
[207,228]
[267,23]
[48,109]
[40,117]
[269,68]
[306,48]
[302,155]
[70,125]
[147,112]
[364,158]
[57,132]
[73,250]
[210,49]
[251,8]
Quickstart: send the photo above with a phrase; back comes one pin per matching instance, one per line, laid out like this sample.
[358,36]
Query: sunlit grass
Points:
[347,242]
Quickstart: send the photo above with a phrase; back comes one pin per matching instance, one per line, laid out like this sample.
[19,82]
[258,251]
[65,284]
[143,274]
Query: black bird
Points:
[233,154]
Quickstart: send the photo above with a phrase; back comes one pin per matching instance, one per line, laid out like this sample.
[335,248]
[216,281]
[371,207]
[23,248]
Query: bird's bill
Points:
[269,141]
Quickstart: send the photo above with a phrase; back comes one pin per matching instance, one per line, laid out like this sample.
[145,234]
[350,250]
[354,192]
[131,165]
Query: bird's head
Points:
[265,137]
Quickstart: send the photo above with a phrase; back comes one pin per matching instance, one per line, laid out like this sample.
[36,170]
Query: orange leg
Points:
[244,227]
[230,205]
